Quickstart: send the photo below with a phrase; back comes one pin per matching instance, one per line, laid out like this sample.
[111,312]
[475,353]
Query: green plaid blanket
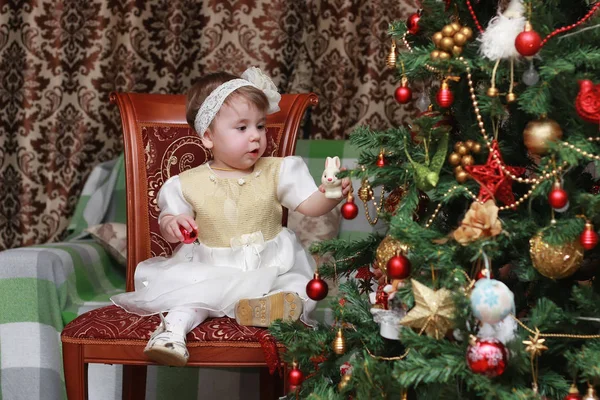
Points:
[45,287]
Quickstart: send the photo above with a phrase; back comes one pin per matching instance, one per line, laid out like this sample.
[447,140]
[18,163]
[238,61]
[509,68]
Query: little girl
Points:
[247,265]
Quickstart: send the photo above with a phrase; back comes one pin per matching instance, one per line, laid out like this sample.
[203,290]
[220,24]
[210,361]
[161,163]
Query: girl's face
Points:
[237,136]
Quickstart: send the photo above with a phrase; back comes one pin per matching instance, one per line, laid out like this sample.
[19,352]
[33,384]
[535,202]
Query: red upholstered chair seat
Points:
[112,322]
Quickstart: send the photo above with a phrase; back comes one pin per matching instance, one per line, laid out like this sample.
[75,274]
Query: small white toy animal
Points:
[332,184]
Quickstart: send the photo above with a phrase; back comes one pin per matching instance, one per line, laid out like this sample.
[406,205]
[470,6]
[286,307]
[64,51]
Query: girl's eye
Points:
[261,127]
[241,128]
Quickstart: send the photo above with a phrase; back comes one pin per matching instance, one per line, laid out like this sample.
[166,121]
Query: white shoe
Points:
[166,347]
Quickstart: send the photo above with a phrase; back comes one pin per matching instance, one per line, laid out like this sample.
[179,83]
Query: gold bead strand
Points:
[535,181]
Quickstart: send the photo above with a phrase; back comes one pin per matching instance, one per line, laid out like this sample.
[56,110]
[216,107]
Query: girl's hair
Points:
[205,85]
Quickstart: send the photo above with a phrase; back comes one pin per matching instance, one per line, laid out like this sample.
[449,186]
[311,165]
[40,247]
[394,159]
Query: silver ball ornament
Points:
[531,76]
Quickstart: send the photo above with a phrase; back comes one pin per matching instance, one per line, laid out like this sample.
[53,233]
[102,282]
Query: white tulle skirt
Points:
[214,279]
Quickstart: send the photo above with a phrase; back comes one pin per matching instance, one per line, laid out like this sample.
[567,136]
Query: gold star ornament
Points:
[433,311]
[535,345]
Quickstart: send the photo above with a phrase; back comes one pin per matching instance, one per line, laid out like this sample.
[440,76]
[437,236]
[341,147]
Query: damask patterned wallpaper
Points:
[59,60]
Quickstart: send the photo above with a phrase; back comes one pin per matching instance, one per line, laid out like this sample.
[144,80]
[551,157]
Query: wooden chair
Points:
[159,144]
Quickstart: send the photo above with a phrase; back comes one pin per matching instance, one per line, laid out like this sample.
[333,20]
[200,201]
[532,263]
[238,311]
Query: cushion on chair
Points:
[114,323]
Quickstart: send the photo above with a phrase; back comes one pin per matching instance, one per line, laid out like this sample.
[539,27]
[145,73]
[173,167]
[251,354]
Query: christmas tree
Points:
[483,284]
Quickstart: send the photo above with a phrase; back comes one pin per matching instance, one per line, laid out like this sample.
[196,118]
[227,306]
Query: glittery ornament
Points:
[495,183]
[433,311]
[555,262]
[587,102]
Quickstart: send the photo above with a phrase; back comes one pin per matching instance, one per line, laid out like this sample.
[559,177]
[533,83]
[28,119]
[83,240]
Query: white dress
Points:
[214,278]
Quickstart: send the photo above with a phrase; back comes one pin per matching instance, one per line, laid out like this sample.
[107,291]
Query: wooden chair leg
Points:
[134,382]
[271,386]
[75,371]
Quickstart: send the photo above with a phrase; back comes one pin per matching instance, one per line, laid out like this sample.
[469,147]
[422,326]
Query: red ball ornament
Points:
[398,267]
[573,394]
[444,97]
[558,197]
[403,94]
[349,209]
[589,237]
[528,42]
[188,236]
[295,376]
[487,357]
[317,288]
[412,23]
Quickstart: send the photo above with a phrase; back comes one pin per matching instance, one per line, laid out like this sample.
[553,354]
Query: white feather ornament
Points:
[498,40]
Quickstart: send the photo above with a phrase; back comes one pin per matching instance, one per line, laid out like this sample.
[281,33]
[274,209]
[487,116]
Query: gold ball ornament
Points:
[467,160]
[444,56]
[457,50]
[539,133]
[344,381]
[458,169]
[339,343]
[365,193]
[459,39]
[555,262]
[468,32]
[434,55]
[462,150]
[454,159]
[511,97]
[469,143]
[437,37]
[387,249]
[448,31]
[476,148]
[447,44]
[458,145]
[493,92]
[457,26]
[462,177]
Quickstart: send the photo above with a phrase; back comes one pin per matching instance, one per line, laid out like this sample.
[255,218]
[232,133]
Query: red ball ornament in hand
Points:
[398,267]
[558,197]
[317,288]
[188,236]
[528,42]
[412,23]
[295,376]
[589,237]
[349,209]
[487,357]
[444,97]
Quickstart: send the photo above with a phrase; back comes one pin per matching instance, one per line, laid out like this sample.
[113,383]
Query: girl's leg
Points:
[167,344]
[181,321]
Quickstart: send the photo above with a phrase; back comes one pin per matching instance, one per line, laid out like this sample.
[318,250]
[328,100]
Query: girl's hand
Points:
[346,187]
[169,226]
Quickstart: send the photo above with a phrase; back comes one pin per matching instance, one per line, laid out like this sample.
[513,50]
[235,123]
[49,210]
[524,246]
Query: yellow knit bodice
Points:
[230,207]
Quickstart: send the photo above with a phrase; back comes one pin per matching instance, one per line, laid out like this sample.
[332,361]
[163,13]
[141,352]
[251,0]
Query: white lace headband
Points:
[212,104]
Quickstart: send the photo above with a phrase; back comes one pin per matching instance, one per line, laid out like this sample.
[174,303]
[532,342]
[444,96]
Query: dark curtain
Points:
[60,59]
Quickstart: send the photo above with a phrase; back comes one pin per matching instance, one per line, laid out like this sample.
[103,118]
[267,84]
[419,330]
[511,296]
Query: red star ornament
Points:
[495,184]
